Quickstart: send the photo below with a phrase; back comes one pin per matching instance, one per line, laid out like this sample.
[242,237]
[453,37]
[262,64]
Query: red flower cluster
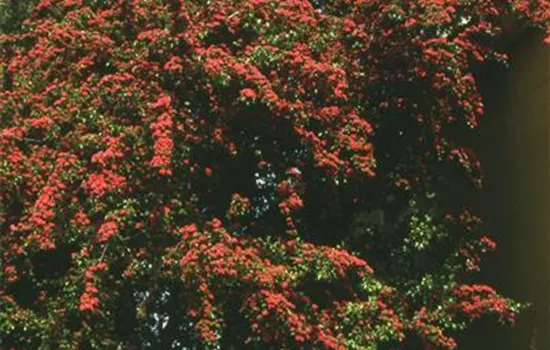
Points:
[273,316]
[89,300]
[478,300]
[101,183]
[106,231]
[289,190]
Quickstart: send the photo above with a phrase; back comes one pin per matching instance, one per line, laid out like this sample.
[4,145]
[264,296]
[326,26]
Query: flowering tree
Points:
[242,173]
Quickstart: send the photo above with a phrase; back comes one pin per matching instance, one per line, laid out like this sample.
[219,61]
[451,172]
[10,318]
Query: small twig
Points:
[103,253]
[233,15]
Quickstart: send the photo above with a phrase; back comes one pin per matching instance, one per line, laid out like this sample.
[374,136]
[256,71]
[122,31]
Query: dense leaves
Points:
[217,174]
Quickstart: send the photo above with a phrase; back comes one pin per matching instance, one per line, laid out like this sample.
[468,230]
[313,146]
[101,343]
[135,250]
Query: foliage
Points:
[186,173]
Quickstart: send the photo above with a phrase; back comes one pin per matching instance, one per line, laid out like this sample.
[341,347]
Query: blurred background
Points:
[513,145]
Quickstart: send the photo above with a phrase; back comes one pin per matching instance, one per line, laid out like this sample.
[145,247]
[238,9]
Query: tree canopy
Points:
[190,174]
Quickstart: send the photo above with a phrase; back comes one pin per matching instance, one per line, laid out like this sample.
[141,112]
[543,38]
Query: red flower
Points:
[162,102]
[106,231]
[248,93]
